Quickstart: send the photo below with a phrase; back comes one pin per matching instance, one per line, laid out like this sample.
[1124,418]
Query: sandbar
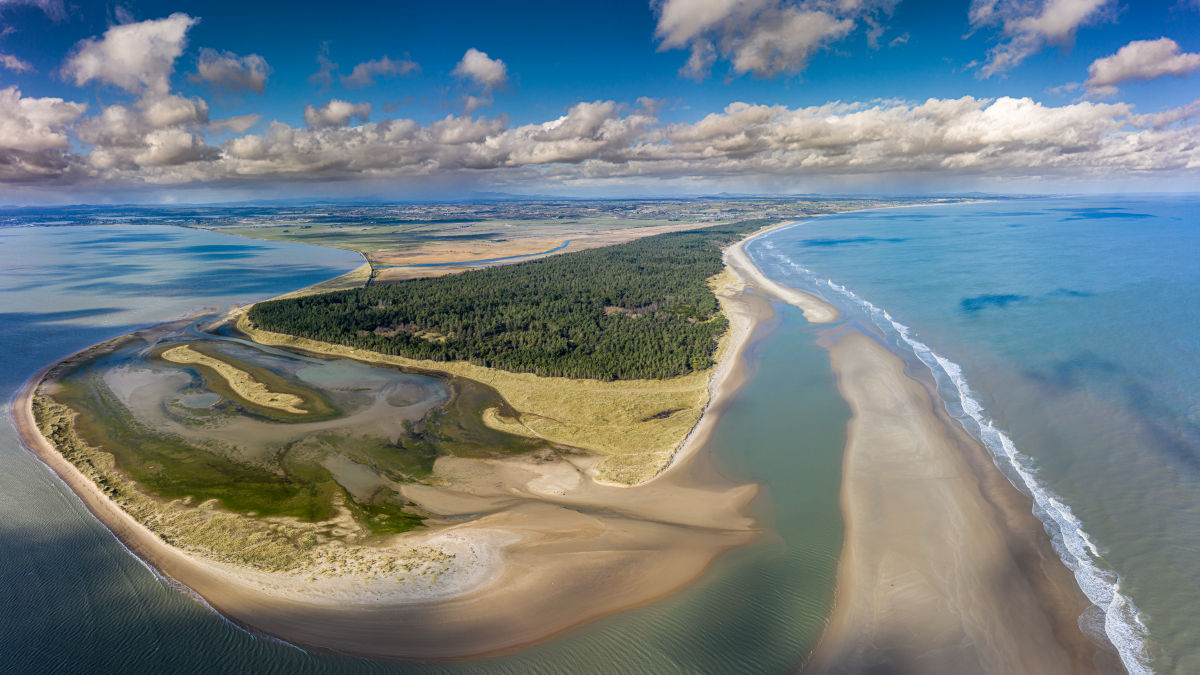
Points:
[242,383]
[815,309]
[944,568]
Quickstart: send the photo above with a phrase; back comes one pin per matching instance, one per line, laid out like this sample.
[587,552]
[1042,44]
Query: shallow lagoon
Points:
[363,432]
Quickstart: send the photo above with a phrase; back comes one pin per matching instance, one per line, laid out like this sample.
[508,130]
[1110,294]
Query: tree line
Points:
[642,309]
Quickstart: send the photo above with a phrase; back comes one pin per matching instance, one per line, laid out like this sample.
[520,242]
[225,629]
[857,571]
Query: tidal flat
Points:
[388,519]
[357,436]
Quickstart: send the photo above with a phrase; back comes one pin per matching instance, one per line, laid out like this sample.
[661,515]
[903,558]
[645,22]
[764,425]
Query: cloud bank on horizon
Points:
[132,128]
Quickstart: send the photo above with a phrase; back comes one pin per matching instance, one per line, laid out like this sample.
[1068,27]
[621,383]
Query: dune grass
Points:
[621,420]
[241,382]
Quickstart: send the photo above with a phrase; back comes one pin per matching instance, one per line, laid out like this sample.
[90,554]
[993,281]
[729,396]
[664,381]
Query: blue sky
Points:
[491,125]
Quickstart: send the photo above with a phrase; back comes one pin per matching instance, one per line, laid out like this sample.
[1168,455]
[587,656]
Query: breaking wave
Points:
[1122,624]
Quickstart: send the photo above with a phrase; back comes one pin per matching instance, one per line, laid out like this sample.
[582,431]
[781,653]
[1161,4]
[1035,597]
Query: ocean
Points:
[1068,327]
[1065,335]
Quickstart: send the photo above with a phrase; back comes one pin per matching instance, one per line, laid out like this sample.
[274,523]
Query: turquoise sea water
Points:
[1065,333]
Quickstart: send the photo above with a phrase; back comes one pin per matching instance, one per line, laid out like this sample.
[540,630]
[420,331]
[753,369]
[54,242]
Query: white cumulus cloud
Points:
[226,70]
[364,74]
[35,124]
[1140,60]
[763,37]
[137,57]
[34,137]
[335,113]
[478,67]
[1026,26]
[162,131]
[15,64]
[238,124]
[162,142]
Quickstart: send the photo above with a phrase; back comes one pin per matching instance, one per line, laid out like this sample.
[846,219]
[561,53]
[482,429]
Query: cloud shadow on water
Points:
[980,302]
[1099,213]
[1165,431]
[829,242]
[217,281]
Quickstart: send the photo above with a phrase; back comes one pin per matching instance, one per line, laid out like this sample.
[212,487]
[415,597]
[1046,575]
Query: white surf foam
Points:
[1100,583]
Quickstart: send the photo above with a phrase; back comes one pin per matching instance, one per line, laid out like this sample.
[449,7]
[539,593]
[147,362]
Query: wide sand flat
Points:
[944,569]
[454,257]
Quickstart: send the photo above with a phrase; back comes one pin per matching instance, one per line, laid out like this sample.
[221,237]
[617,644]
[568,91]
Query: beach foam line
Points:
[1099,582]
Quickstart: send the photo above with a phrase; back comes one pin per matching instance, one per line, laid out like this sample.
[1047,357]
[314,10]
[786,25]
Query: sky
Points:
[170,102]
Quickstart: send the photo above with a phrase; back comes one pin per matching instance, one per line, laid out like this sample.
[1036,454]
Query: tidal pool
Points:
[363,433]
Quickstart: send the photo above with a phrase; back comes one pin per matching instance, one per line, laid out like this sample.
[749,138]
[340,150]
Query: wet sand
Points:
[945,569]
[556,549]
[815,310]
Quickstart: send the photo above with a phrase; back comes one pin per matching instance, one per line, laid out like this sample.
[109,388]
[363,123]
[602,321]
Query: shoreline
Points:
[632,546]
[945,568]
[730,372]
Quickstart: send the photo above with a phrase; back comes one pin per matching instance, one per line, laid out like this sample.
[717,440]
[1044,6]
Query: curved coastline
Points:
[945,568]
[632,546]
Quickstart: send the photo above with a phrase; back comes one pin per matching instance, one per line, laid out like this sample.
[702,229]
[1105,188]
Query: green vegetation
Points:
[300,479]
[619,419]
[171,468]
[642,309]
[224,536]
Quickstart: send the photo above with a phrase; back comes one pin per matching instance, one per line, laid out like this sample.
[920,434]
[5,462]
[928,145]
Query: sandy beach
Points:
[556,549]
[945,569]
[815,310]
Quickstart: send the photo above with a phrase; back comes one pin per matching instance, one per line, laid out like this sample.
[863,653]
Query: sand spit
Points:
[945,569]
[242,383]
[555,550]
[815,309]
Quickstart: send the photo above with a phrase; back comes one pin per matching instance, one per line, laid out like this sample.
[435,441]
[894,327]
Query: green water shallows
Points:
[761,608]
[73,600]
